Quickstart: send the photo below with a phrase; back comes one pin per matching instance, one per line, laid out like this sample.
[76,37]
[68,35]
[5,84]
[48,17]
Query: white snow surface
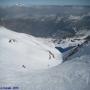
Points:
[73,74]
[27,51]
[70,75]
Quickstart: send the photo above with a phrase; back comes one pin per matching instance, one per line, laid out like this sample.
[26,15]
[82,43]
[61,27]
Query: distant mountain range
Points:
[46,21]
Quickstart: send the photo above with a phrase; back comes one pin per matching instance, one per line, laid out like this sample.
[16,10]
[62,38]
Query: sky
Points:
[45,2]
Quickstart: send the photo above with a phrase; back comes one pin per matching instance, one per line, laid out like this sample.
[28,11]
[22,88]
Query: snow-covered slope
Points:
[73,74]
[20,49]
[23,52]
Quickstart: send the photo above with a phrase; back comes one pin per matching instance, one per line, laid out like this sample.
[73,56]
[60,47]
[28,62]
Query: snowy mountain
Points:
[46,21]
[35,63]
[20,54]
[24,52]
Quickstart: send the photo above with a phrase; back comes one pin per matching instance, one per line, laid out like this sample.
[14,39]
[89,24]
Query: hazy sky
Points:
[45,2]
